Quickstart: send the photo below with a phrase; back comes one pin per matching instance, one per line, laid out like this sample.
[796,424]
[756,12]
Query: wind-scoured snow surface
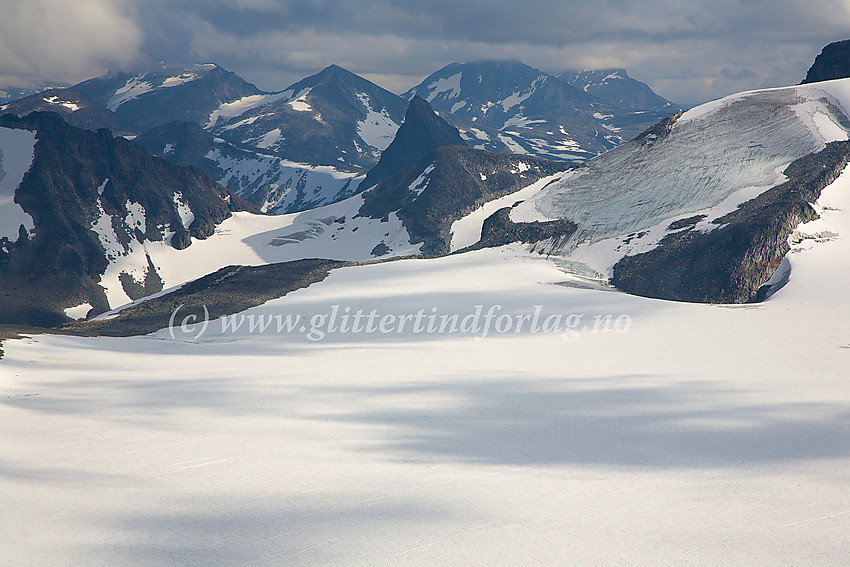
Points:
[715,157]
[693,435]
[16,155]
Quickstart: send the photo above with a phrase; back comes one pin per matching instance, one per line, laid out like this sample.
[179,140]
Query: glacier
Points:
[707,161]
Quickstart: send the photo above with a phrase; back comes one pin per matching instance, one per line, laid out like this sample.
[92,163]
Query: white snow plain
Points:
[675,434]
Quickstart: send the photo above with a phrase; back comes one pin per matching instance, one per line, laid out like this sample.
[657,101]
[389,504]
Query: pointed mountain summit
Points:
[331,118]
[832,63]
[421,132]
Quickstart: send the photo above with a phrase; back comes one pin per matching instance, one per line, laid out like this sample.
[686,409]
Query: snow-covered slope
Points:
[633,431]
[409,213]
[700,166]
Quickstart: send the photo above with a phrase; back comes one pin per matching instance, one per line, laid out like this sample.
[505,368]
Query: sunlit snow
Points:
[647,433]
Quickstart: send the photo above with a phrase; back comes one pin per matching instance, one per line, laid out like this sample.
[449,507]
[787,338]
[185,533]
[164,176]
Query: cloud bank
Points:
[689,52]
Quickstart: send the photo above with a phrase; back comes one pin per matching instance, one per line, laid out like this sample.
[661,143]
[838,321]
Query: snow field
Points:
[702,434]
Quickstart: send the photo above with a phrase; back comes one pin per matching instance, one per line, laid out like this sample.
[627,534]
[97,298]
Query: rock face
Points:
[498,229]
[421,132]
[229,290]
[730,263]
[832,63]
[445,185]
[96,201]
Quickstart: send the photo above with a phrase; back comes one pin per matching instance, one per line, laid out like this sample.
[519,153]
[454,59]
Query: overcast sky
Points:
[688,51]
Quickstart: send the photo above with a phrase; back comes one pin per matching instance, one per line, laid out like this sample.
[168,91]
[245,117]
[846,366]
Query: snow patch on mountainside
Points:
[73,107]
[421,183]
[450,85]
[269,139]
[180,79]
[102,226]
[378,129]
[519,97]
[135,216]
[133,88]
[17,150]
[78,312]
[233,109]
[186,214]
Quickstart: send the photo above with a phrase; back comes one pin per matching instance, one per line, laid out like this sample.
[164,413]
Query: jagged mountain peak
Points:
[421,132]
[514,107]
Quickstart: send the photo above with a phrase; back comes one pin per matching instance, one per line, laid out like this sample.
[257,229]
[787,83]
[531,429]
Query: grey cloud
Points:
[688,51]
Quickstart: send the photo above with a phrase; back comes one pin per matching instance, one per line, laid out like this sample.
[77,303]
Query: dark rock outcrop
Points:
[832,63]
[229,290]
[498,229]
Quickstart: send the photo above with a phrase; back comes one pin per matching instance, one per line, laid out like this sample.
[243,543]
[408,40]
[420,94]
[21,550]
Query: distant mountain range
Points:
[311,143]
[508,106]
